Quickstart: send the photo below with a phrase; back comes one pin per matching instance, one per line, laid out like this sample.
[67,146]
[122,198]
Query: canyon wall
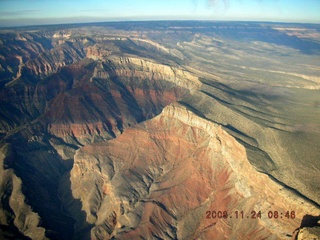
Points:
[164,177]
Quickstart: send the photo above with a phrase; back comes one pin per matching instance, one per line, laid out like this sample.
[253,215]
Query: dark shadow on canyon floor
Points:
[308,221]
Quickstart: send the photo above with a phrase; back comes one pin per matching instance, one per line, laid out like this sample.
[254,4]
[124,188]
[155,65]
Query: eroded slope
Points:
[159,178]
[89,101]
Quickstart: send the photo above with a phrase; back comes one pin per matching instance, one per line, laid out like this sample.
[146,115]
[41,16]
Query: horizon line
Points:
[7,26]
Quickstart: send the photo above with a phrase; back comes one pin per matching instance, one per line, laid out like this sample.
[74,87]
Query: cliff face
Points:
[114,94]
[53,60]
[16,49]
[49,112]
[177,167]
[27,60]
[16,216]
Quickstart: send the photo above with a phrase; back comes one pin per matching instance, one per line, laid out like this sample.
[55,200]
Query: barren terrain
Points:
[160,130]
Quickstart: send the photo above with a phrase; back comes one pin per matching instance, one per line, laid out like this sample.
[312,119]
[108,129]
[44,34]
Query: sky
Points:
[37,12]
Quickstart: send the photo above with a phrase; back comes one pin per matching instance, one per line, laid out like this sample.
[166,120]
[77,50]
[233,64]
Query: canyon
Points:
[165,130]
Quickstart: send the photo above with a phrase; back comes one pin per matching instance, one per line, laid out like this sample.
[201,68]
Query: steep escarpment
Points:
[17,218]
[39,53]
[51,61]
[16,49]
[38,160]
[90,101]
[37,65]
[177,168]
[141,88]
[269,133]
[27,60]
[114,94]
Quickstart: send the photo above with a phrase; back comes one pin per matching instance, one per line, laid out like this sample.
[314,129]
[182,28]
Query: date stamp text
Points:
[250,215]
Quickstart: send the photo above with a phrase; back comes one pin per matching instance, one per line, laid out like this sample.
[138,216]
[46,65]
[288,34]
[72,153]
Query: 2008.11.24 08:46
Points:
[252,215]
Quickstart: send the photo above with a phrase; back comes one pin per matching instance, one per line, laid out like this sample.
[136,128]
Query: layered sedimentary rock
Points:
[51,61]
[94,95]
[27,60]
[88,101]
[164,178]
[113,94]
[16,49]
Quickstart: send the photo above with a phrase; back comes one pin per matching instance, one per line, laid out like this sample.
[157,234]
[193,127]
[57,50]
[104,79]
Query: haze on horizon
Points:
[38,12]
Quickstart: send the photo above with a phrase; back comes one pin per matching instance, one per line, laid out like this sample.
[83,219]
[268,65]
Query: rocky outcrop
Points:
[26,59]
[272,142]
[154,46]
[86,102]
[177,169]
[52,61]
[96,52]
[115,94]
[62,34]
[147,70]
[17,218]
[16,49]
[37,161]
[309,233]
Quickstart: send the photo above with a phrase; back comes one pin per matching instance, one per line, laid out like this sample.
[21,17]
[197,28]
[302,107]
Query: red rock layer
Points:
[162,178]
[114,94]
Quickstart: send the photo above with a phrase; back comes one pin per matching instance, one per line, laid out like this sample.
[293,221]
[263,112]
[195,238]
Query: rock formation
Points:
[182,169]
[114,94]
[17,218]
